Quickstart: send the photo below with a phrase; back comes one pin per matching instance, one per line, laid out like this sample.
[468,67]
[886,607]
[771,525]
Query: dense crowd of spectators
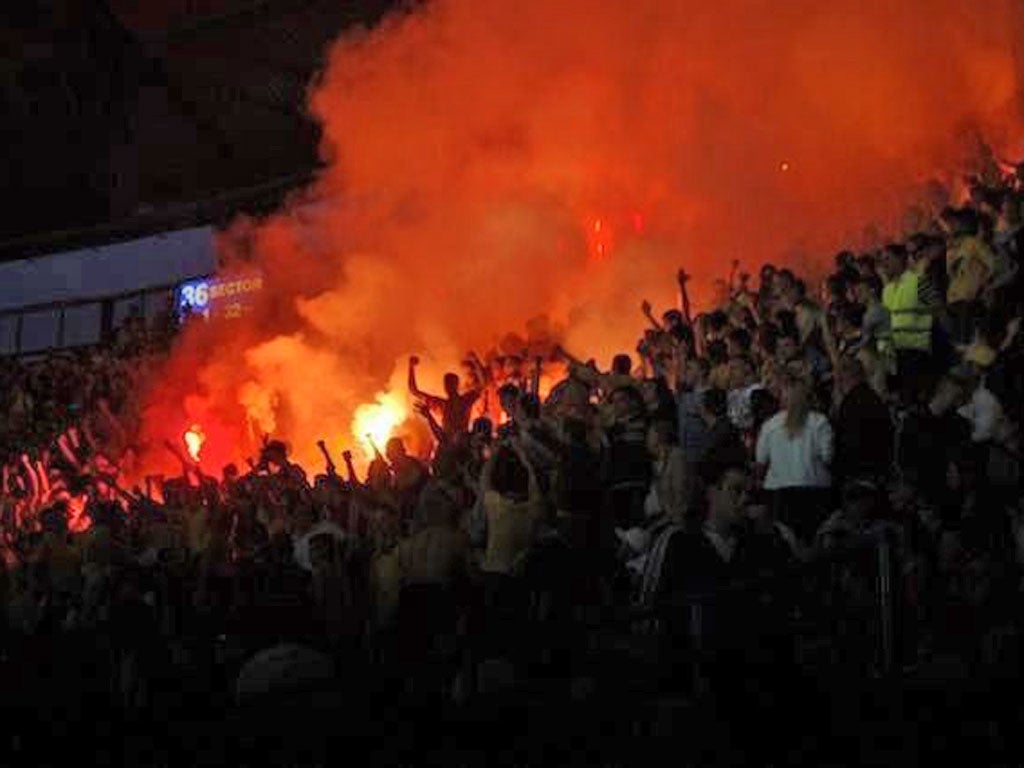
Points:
[757,509]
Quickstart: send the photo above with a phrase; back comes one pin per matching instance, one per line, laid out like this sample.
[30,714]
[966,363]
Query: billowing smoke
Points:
[489,163]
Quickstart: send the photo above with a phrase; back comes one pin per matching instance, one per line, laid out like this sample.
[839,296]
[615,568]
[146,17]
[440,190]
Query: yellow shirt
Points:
[510,527]
[970,263]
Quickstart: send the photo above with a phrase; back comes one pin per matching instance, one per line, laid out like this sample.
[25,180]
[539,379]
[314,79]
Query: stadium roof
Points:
[126,117]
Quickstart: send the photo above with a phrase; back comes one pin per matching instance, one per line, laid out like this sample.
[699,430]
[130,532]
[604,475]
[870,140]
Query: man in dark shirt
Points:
[863,427]
[713,562]
[719,596]
[724,444]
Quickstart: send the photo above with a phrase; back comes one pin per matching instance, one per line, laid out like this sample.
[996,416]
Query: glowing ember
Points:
[600,238]
[194,439]
[377,421]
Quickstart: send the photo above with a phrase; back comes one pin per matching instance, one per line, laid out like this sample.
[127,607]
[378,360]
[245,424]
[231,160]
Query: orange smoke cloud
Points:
[489,163]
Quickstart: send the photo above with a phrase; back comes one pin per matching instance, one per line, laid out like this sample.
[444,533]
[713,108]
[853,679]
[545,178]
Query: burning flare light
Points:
[194,439]
[376,422]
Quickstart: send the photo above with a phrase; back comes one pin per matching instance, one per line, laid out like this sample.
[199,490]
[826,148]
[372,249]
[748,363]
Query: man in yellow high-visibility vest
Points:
[911,322]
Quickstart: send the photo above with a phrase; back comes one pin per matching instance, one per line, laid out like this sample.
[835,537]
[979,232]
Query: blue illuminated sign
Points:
[227,296]
[194,294]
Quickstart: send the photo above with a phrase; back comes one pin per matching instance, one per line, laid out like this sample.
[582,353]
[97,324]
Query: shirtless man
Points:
[455,408]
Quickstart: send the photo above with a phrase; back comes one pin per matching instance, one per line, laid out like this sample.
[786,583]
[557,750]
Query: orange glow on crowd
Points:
[497,171]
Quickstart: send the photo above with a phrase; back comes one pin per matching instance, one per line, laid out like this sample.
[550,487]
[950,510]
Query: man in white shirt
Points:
[796,461]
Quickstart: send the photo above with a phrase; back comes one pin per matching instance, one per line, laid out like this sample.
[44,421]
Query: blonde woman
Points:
[794,453]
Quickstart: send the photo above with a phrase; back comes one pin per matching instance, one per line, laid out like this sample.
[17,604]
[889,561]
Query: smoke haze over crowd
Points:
[489,164]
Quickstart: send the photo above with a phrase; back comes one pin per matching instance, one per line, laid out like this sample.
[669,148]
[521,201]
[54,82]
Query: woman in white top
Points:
[794,451]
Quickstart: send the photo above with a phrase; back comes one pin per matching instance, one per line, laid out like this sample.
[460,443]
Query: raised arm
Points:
[113,421]
[700,346]
[377,455]
[414,389]
[646,308]
[187,465]
[684,297]
[748,300]
[64,444]
[424,410]
[328,461]
[568,357]
[583,371]
[43,476]
[350,467]
[34,489]
[734,271]
[90,438]
[481,374]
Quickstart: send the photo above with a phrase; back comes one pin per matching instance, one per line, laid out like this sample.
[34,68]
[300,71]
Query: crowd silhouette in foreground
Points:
[788,530]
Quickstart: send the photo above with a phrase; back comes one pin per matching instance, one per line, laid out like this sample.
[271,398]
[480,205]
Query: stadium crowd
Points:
[754,519]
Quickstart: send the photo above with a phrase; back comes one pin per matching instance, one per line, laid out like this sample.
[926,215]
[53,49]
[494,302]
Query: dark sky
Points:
[116,107]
